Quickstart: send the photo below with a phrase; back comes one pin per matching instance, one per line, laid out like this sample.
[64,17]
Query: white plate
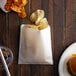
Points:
[64,59]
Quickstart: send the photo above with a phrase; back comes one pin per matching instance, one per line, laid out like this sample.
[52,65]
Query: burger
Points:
[72,66]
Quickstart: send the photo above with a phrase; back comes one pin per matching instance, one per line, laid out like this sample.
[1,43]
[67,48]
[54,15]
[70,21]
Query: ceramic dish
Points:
[63,71]
[9,59]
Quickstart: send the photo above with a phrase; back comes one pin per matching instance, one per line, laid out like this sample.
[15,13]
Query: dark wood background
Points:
[61,15]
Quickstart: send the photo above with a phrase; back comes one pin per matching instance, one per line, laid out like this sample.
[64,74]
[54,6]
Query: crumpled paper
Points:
[35,46]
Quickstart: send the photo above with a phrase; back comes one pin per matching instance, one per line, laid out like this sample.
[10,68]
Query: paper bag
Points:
[35,46]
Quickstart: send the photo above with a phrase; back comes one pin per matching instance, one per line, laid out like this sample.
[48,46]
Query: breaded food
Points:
[32,27]
[8,5]
[72,66]
[37,16]
[42,24]
[17,6]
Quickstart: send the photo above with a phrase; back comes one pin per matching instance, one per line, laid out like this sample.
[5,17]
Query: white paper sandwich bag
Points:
[35,46]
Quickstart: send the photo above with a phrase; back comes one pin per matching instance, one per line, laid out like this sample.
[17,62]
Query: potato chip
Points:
[43,24]
[37,16]
[40,15]
[32,27]
[33,17]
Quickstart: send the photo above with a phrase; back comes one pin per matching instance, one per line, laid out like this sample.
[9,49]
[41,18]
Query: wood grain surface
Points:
[61,15]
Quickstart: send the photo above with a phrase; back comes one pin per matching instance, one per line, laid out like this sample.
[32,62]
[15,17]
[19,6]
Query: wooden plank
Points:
[70,27]
[50,13]
[35,70]
[58,30]
[2,34]
[47,70]
[35,5]
[25,70]
[2,27]
[13,41]
[45,6]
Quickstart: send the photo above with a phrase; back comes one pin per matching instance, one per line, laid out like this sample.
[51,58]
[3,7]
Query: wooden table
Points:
[61,15]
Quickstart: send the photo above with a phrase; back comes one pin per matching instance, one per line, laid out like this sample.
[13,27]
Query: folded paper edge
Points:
[51,63]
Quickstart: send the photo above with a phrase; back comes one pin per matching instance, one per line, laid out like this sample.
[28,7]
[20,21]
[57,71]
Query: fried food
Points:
[8,5]
[22,14]
[37,16]
[20,3]
[33,17]
[32,27]
[16,1]
[24,2]
[43,23]
[17,6]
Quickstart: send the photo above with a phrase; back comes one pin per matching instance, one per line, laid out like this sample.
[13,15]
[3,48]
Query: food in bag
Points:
[38,18]
[35,42]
